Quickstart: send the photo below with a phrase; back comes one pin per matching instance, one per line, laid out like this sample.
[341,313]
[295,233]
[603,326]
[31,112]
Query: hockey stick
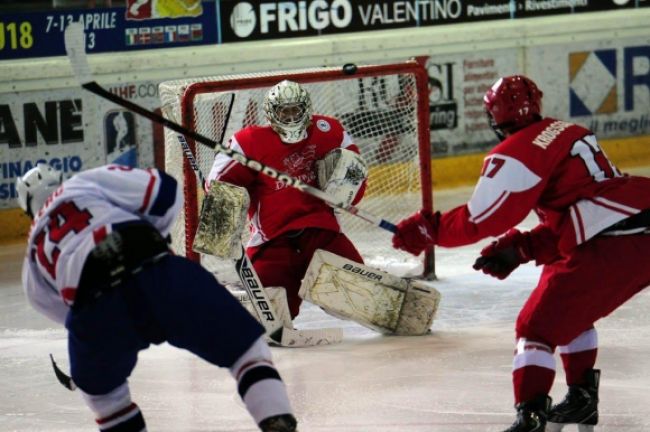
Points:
[268,317]
[75,48]
[284,336]
[63,378]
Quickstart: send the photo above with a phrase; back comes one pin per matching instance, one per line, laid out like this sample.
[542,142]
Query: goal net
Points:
[385,110]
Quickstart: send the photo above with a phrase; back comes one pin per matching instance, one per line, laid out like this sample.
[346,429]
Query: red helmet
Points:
[512,103]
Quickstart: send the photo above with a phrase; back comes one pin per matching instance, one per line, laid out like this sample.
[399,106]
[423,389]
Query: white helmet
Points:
[36,186]
[288,109]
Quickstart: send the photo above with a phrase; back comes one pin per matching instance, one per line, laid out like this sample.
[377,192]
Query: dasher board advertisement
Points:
[258,20]
[138,25]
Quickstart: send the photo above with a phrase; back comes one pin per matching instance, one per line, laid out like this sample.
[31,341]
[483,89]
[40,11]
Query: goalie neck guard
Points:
[288,110]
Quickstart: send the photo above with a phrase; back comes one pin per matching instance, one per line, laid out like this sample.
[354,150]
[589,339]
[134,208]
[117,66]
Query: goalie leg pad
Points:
[419,309]
[370,297]
[222,220]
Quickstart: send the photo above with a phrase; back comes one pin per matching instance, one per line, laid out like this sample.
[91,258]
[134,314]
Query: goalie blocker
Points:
[222,221]
[370,297]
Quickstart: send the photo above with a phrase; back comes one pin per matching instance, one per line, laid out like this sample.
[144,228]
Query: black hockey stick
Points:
[63,378]
[75,48]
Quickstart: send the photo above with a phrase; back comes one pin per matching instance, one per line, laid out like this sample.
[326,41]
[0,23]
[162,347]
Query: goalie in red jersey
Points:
[592,241]
[287,225]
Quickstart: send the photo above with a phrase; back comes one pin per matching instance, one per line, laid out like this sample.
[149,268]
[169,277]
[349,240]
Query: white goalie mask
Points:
[288,110]
[36,186]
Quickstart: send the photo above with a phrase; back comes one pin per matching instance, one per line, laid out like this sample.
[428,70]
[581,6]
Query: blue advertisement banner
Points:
[40,34]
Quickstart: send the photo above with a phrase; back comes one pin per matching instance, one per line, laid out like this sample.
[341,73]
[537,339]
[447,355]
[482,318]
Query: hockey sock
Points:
[128,419]
[259,383]
[579,356]
[533,370]
[115,412]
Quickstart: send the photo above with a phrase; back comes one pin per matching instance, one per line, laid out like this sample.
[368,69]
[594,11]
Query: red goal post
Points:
[385,108]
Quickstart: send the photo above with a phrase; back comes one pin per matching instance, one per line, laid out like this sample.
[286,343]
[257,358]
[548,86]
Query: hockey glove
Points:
[505,254]
[417,232]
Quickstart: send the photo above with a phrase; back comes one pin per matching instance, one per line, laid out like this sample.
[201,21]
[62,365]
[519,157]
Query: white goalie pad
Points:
[222,220]
[277,297]
[370,297]
[340,174]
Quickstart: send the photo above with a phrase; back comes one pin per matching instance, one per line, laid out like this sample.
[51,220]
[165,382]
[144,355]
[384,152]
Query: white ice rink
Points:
[456,379]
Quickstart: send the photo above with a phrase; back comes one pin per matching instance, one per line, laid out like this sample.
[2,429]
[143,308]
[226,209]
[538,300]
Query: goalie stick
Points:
[75,48]
[284,336]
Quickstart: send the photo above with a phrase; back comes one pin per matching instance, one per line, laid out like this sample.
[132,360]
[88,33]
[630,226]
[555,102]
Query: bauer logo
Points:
[362,272]
[586,68]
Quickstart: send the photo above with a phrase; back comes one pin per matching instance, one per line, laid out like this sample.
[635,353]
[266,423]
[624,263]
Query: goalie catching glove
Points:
[341,174]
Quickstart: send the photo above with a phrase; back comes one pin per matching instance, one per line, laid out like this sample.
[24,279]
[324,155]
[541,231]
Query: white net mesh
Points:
[384,108]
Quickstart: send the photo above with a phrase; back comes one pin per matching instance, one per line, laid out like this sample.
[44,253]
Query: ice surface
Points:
[456,379]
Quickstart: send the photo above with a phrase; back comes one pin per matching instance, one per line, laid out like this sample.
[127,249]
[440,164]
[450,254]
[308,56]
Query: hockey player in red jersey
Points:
[97,261]
[592,241]
[287,225]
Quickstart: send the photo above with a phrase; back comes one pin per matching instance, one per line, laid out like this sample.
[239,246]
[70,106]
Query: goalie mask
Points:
[512,103]
[36,186]
[288,110]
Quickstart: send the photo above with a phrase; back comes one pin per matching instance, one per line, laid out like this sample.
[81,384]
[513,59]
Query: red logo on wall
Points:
[139,9]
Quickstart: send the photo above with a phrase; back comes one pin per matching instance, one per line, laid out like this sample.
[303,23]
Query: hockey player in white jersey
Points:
[97,261]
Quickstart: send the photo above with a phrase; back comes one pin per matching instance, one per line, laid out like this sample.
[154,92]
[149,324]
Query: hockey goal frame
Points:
[230,84]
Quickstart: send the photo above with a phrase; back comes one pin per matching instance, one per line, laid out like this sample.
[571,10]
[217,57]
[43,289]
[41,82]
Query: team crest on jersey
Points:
[298,165]
[323,125]
[299,161]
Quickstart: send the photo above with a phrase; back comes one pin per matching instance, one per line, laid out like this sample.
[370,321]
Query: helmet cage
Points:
[288,110]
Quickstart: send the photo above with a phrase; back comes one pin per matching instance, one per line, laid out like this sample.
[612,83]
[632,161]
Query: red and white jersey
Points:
[78,215]
[556,169]
[276,208]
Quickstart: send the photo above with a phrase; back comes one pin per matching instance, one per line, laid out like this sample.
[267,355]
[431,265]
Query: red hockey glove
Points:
[417,232]
[503,255]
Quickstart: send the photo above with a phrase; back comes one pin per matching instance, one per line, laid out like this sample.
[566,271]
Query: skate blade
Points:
[557,427]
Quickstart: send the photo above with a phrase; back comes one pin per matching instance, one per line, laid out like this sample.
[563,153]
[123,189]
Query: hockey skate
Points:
[580,406]
[279,423]
[531,415]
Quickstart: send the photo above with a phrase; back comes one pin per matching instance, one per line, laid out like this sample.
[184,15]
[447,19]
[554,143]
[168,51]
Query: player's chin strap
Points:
[65,380]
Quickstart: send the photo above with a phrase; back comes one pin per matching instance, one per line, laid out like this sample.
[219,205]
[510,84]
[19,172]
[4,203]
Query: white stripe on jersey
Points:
[497,183]
[589,217]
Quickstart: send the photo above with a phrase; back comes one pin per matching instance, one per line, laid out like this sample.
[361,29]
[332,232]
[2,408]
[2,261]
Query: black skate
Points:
[531,415]
[279,423]
[580,406]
